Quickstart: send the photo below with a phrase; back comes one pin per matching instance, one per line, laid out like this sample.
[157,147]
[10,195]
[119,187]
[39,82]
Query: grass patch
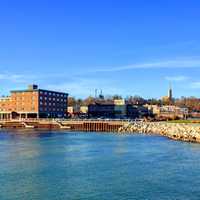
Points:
[185,121]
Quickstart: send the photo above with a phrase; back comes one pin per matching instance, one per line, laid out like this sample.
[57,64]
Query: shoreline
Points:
[177,131]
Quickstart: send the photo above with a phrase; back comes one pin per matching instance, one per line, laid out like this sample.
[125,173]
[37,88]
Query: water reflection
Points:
[62,165]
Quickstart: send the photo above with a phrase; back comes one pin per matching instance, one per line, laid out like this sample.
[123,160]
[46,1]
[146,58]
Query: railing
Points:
[58,119]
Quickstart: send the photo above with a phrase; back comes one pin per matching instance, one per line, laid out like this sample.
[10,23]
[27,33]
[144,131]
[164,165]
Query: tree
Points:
[79,102]
[89,100]
[116,97]
[192,103]
[135,100]
[71,101]
[154,101]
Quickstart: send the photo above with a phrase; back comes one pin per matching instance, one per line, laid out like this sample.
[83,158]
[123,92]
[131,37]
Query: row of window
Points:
[22,108]
[53,109]
[53,94]
[3,105]
[52,104]
[23,98]
[4,109]
[52,99]
[25,103]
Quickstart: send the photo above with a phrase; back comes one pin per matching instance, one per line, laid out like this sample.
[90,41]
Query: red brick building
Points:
[34,103]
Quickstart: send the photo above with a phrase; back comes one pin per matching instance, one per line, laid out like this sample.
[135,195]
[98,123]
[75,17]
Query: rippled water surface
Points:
[89,166]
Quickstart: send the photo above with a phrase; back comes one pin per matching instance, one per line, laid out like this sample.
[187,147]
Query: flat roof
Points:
[37,90]
[13,91]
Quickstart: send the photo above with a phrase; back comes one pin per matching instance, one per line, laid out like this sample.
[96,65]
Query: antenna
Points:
[95,93]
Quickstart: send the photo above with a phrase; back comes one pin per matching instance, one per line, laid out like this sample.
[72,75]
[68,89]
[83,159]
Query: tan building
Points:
[73,109]
[84,109]
[120,107]
[5,107]
[33,103]
[155,109]
[169,111]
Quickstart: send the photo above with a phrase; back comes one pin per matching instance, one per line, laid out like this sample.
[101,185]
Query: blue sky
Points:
[126,47]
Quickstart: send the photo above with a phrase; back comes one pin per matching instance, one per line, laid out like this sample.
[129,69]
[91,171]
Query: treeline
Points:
[192,103]
[135,100]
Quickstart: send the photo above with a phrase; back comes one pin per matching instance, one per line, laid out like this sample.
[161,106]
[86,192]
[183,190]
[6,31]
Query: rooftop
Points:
[32,88]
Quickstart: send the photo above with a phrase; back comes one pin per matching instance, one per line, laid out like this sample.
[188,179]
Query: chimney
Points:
[33,87]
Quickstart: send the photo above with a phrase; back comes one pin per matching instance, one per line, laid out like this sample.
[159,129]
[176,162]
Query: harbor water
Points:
[59,165]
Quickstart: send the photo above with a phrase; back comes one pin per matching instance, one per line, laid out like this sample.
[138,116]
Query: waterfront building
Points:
[135,111]
[34,103]
[104,110]
[194,114]
[132,111]
[73,111]
[114,109]
[155,109]
[84,109]
[168,111]
[173,112]
[117,109]
[77,111]
[120,108]
[5,107]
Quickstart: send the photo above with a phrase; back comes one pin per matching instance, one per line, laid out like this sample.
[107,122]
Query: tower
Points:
[170,93]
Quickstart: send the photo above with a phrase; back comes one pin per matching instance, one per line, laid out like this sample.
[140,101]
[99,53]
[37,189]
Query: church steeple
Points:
[170,96]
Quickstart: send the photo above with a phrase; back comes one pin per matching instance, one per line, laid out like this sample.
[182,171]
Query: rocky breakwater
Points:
[176,131]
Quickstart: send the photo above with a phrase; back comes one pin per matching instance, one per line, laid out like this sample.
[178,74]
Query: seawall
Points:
[72,125]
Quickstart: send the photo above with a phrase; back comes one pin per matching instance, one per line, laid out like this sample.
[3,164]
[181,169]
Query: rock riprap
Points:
[176,131]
